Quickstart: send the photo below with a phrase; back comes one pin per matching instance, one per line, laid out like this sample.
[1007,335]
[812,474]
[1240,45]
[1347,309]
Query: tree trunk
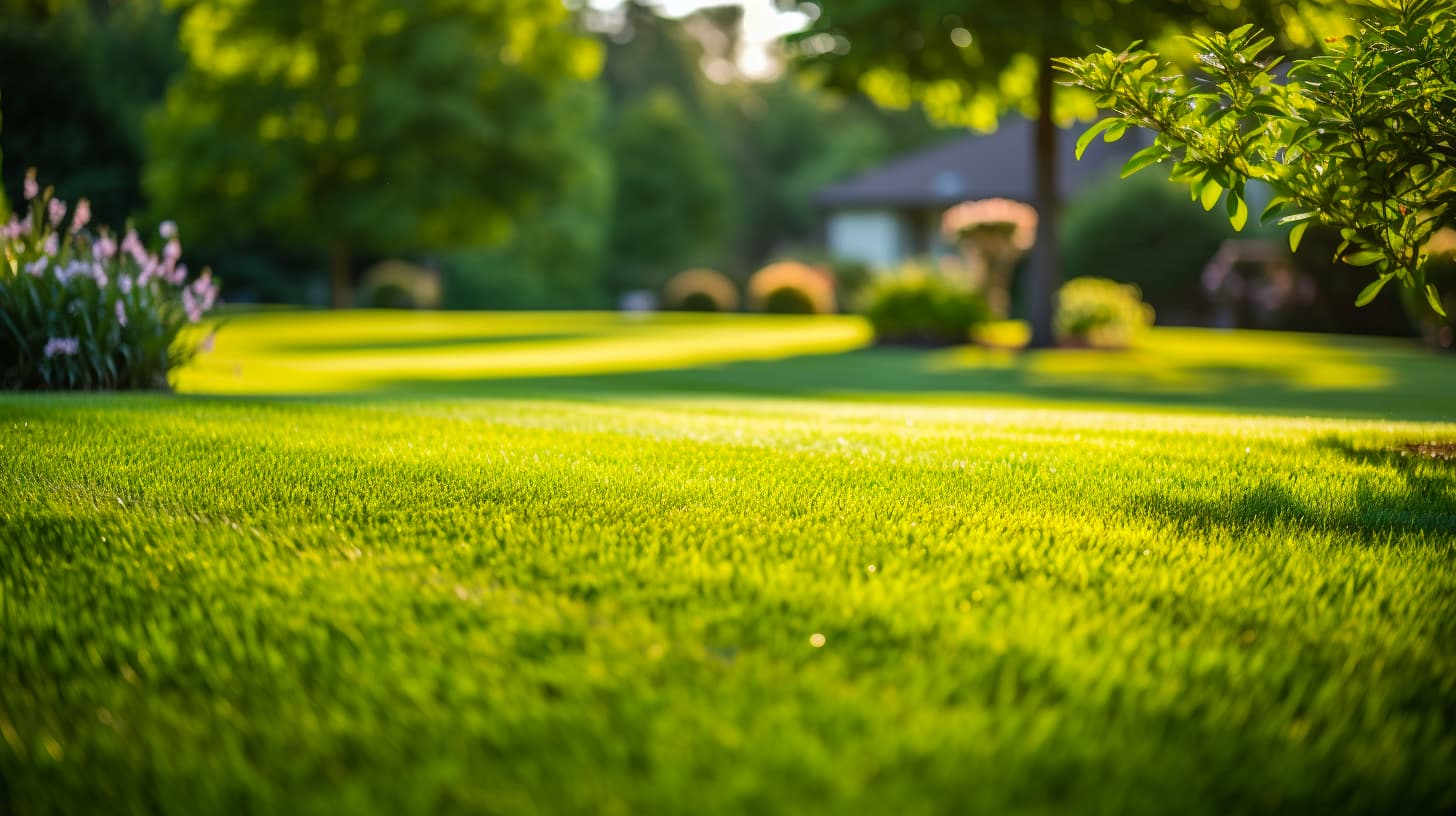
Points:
[340,281]
[1043,272]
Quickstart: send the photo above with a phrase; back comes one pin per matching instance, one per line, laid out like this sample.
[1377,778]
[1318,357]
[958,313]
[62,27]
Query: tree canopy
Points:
[367,125]
[77,81]
[1362,138]
[967,61]
[673,202]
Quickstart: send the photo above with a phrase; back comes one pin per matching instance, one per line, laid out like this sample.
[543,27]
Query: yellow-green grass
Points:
[800,577]
[393,354]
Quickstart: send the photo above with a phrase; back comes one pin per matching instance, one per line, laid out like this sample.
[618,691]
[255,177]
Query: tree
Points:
[379,126]
[77,78]
[553,260]
[968,60]
[4,202]
[673,201]
[1362,139]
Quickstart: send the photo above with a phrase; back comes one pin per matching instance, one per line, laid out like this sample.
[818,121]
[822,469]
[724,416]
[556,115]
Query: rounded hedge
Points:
[700,290]
[790,287]
[917,308]
[1100,313]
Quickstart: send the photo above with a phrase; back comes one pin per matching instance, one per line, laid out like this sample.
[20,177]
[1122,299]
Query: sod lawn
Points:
[581,563]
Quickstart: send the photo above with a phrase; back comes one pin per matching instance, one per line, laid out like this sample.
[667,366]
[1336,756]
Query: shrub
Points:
[850,276]
[400,285]
[1100,313]
[917,306]
[1437,331]
[1358,138]
[700,290]
[1144,231]
[790,287]
[78,310]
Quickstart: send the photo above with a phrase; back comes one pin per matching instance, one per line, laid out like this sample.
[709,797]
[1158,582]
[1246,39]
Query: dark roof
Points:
[976,166]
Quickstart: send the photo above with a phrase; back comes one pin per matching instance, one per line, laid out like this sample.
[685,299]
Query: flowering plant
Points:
[790,287]
[993,234]
[81,310]
[700,290]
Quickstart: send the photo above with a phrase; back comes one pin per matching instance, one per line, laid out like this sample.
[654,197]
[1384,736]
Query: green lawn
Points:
[572,563]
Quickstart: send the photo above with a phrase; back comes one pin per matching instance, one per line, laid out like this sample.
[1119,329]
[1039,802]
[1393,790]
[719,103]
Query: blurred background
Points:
[526,154]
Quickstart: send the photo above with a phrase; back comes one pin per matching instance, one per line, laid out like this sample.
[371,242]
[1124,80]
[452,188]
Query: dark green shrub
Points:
[1100,313]
[390,296]
[1436,331]
[788,300]
[699,302]
[400,285]
[791,287]
[920,308]
[700,290]
[850,276]
[1146,232]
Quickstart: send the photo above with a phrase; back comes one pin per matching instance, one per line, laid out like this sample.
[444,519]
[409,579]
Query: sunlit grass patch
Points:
[798,581]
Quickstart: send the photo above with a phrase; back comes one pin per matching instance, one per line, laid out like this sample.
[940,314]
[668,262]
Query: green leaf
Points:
[1299,216]
[1238,211]
[1086,138]
[1364,257]
[1146,157]
[1208,196]
[1296,234]
[1369,292]
[1276,205]
[1434,299]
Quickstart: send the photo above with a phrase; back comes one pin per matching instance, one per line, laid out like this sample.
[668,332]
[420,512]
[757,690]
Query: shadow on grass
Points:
[1406,494]
[1412,387]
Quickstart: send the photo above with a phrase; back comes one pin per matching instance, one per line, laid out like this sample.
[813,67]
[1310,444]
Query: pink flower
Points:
[56,210]
[37,267]
[104,249]
[131,244]
[124,283]
[169,231]
[98,274]
[178,276]
[73,269]
[191,305]
[52,245]
[150,269]
[205,289]
[62,346]
[172,252]
[121,314]
[1016,220]
[32,187]
[82,216]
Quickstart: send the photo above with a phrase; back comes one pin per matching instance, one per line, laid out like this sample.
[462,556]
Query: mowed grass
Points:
[801,576]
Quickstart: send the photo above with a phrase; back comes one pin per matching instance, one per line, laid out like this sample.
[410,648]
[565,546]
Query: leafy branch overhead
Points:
[1362,138]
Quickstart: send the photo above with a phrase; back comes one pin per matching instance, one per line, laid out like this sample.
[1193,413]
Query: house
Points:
[892,212]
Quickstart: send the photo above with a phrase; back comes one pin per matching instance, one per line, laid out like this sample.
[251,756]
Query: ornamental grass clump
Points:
[80,309]
[1100,313]
[790,287]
